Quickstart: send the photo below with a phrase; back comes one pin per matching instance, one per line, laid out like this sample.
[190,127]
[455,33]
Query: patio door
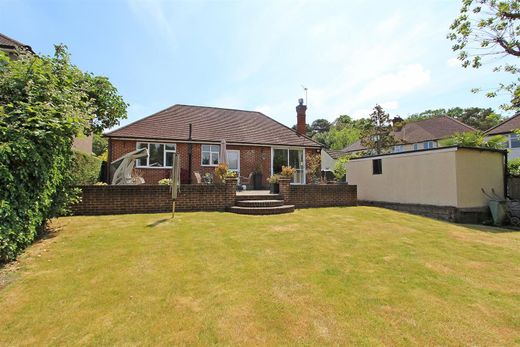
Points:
[290,157]
[233,161]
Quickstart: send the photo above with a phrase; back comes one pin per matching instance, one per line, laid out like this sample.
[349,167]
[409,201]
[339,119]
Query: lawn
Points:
[332,276]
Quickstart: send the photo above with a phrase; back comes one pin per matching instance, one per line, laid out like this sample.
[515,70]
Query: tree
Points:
[479,118]
[99,145]
[45,102]
[377,136]
[320,126]
[474,139]
[485,30]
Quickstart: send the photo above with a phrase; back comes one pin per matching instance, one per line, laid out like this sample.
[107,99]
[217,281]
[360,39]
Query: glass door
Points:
[289,157]
[233,161]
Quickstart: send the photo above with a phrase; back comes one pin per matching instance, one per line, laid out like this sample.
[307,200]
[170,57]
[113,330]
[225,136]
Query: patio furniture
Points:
[198,177]
[247,180]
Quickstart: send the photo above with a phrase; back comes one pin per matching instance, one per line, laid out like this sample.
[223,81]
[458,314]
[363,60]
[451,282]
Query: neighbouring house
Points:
[423,134]
[11,47]
[254,143]
[506,129]
[443,182]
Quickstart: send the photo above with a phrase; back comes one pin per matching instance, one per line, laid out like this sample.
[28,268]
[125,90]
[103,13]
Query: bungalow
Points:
[255,143]
[506,129]
[423,134]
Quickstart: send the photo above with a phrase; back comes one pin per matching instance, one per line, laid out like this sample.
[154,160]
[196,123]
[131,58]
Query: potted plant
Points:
[274,186]
[257,178]
[287,172]
[221,171]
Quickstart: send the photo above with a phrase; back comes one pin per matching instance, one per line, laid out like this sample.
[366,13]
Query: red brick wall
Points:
[101,200]
[251,157]
[318,195]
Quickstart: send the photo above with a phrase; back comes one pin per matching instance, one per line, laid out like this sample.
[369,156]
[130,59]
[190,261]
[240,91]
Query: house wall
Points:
[446,177]
[251,158]
[476,170]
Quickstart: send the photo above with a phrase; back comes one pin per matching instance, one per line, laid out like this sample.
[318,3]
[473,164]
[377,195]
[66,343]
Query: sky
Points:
[259,55]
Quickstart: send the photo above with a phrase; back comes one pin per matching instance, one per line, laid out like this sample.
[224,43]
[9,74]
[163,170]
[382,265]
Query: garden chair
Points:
[247,180]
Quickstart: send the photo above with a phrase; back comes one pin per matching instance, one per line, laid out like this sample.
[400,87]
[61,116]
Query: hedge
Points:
[86,168]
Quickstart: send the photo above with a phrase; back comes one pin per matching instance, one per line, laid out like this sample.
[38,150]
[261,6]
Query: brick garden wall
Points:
[101,200]
[318,195]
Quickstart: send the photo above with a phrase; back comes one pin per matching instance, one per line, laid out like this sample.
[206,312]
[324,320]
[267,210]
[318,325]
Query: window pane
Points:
[215,148]
[233,160]
[156,155]
[279,159]
[205,148]
[296,158]
[214,158]
[169,158]
[142,161]
[515,141]
[205,158]
[377,167]
[170,147]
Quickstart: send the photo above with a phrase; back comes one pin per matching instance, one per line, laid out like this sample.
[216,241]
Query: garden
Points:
[328,276]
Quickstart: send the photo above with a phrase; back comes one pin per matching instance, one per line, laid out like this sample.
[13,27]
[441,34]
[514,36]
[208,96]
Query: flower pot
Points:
[274,188]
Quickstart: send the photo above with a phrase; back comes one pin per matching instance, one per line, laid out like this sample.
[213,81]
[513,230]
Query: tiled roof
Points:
[211,124]
[425,130]
[506,126]
[9,43]
[336,154]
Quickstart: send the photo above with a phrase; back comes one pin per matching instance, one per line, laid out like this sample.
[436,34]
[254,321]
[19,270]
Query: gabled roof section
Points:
[424,130]
[336,154]
[506,126]
[212,124]
[11,44]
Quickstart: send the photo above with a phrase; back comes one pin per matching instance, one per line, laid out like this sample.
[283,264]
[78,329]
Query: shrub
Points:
[86,168]
[513,167]
[340,168]
[165,182]
[45,102]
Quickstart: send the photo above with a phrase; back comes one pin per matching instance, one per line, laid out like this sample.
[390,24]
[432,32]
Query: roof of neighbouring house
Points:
[8,43]
[424,130]
[212,124]
[336,154]
[506,126]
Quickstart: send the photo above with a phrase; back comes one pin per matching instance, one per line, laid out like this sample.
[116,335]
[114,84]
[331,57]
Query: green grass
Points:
[333,276]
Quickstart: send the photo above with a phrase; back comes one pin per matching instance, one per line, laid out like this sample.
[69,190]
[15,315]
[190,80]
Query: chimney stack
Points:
[301,125]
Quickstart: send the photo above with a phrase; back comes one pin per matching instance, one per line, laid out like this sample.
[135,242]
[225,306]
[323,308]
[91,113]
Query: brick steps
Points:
[259,203]
[262,210]
[258,197]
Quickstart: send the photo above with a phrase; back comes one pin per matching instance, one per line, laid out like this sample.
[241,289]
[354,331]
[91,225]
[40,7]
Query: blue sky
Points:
[256,55]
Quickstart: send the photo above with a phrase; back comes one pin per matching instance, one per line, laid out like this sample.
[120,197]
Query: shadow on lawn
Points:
[492,229]
[158,222]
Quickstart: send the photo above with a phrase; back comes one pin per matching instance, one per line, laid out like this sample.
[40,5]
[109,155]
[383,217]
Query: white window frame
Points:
[427,146]
[304,160]
[510,141]
[165,151]
[398,149]
[210,154]
[238,161]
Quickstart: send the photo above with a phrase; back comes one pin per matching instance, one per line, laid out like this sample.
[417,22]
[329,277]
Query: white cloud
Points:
[155,14]
[403,81]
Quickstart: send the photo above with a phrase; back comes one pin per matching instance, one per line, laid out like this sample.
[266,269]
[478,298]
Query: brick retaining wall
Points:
[317,195]
[100,200]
